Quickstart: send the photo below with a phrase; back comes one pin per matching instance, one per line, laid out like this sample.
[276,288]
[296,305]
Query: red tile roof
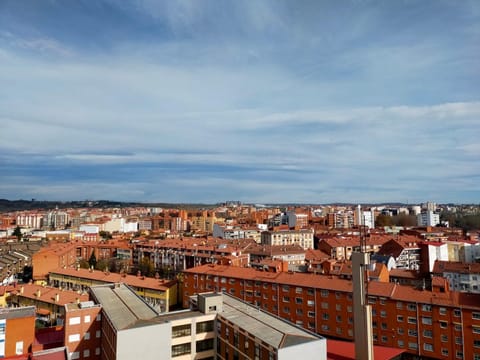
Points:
[109,277]
[375,288]
[345,350]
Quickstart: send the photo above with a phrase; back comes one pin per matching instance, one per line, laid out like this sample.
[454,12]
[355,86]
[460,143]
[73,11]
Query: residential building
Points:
[214,326]
[428,218]
[303,237]
[161,294]
[461,277]
[17,331]
[437,323]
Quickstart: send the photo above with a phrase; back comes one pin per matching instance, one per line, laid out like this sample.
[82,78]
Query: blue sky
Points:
[257,101]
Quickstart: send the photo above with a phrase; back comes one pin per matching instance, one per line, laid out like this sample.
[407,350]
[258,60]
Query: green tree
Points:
[92,261]
[146,267]
[383,220]
[102,265]
[18,233]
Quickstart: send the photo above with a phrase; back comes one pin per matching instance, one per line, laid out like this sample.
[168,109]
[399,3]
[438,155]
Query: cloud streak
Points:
[174,101]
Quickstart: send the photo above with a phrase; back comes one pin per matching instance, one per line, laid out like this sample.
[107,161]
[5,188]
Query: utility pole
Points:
[363,333]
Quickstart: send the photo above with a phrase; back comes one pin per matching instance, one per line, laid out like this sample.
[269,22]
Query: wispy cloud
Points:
[187,101]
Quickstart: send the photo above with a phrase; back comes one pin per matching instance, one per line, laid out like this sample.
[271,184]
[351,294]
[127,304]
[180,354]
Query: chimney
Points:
[38,293]
[21,290]
[57,298]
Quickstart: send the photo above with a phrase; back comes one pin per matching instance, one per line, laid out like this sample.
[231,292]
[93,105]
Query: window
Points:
[349,309]
[75,355]
[443,324]
[338,307]
[338,295]
[181,330]
[86,318]
[444,338]
[412,332]
[476,315]
[310,291]
[74,337]
[310,303]
[413,345]
[475,330]
[400,318]
[324,293]
[204,345]
[286,299]
[98,333]
[458,340]
[426,307]
[459,354]
[324,305]
[205,326]
[442,311]
[458,327]
[325,316]
[457,312]
[412,320]
[412,307]
[99,317]
[400,331]
[384,339]
[285,288]
[444,352]
[181,349]
[311,314]
[427,320]
[86,353]
[427,347]
[87,336]
[298,300]
[97,351]
[74,320]
[299,312]
[400,343]
[286,310]
[427,333]
[339,318]
[325,327]
[298,290]
[383,313]
[476,343]
[399,305]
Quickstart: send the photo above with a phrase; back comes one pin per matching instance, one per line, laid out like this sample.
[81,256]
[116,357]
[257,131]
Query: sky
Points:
[257,101]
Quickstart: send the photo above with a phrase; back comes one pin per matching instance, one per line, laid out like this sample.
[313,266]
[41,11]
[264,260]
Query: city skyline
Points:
[263,102]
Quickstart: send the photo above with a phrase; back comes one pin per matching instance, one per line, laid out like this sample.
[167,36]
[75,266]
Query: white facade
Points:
[463,282]
[90,228]
[436,252]
[304,238]
[428,218]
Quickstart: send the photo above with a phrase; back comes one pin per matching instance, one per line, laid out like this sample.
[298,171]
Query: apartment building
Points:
[303,238]
[49,302]
[161,294]
[461,277]
[52,257]
[17,333]
[405,250]
[437,324]
[215,326]
[83,330]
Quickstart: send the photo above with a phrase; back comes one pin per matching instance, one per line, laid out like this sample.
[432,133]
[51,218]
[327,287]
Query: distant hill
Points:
[19,205]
